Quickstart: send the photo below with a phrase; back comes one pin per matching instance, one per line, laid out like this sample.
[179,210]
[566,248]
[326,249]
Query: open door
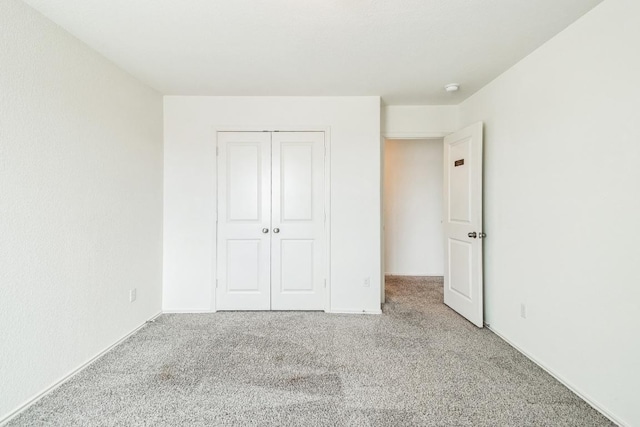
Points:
[463,290]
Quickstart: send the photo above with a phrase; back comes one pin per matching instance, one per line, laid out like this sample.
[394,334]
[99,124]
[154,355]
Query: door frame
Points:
[327,199]
[384,136]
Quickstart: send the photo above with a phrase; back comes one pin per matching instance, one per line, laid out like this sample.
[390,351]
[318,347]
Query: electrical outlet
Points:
[133,294]
[523,311]
[367,282]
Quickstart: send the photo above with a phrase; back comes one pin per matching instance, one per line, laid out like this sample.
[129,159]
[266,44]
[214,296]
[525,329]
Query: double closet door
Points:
[270,227]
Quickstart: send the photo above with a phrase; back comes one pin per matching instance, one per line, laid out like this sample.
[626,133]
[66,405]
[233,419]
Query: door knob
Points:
[473,234]
[265,230]
[276,230]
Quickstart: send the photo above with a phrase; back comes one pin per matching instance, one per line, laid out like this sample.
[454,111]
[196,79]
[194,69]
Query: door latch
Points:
[474,235]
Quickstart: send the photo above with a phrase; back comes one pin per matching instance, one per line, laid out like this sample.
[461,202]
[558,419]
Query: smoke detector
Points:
[452,87]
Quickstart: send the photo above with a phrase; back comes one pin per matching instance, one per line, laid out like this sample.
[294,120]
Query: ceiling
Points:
[402,50]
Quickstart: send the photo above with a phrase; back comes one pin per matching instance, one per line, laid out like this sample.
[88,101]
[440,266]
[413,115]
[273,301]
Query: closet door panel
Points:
[297,275]
[244,221]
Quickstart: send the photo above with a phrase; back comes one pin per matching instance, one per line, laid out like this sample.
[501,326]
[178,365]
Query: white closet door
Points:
[244,216]
[297,241]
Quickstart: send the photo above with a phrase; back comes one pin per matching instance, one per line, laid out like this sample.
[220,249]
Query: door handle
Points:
[473,234]
[265,230]
[276,230]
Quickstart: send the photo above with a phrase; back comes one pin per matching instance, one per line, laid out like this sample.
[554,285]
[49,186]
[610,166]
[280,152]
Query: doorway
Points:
[404,202]
[413,185]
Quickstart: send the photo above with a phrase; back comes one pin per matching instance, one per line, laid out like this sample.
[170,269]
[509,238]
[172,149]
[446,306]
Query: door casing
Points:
[327,199]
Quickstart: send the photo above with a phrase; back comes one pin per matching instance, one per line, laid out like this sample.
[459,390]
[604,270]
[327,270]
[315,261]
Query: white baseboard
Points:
[416,274]
[71,374]
[187,311]
[355,311]
[328,311]
[597,406]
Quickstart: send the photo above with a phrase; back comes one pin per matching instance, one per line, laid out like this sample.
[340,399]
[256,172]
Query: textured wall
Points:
[80,203]
[419,121]
[562,200]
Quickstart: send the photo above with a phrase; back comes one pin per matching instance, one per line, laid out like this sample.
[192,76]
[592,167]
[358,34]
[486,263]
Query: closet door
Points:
[297,241]
[244,221]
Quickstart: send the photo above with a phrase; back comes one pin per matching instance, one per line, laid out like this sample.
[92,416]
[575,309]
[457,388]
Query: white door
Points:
[463,290]
[297,242]
[270,221]
[244,221]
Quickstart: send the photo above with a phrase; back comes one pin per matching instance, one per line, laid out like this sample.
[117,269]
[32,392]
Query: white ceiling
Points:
[402,50]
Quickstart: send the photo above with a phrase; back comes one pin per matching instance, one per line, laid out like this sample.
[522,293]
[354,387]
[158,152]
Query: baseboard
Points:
[70,375]
[560,378]
[329,311]
[355,311]
[187,311]
[416,274]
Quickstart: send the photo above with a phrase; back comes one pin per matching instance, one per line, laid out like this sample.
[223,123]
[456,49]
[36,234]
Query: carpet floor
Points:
[417,364]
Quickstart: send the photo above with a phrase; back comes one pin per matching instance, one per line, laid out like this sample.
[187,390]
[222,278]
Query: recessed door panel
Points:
[244,181]
[296,181]
[459,180]
[243,266]
[460,276]
[296,266]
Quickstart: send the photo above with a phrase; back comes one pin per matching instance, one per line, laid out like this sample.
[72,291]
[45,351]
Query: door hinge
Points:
[216,283]
[325,283]
[217,151]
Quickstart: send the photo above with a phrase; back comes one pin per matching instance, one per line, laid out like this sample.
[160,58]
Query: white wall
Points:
[421,121]
[80,204]
[562,200]
[413,207]
[190,190]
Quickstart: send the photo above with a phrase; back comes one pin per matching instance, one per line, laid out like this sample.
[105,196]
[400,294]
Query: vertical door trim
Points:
[327,222]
